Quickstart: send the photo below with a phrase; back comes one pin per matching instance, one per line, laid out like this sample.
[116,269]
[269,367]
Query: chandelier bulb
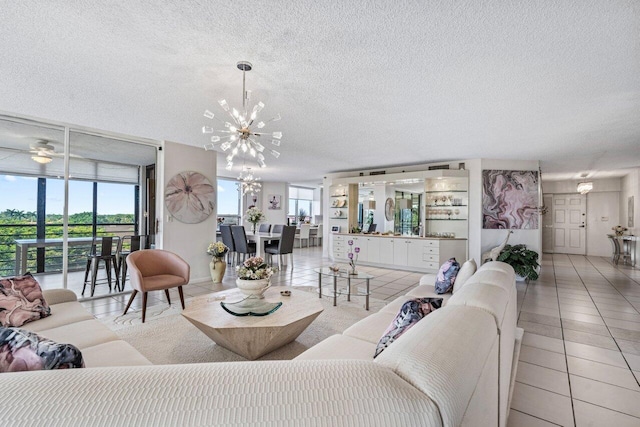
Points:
[215,138]
[275,154]
[252,151]
[260,125]
[275,142]
[259,146]
[223,104]
[208,114]
[276,118]
[234,151]
[207,129]
[277,135]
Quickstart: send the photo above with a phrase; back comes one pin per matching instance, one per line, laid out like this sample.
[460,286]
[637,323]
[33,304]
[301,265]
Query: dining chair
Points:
[304,234]
[284,246]
[243,246]
[107,254]
[156,270]
[136,242]
[317,236]
[264,228]
[227,239]
[277,228]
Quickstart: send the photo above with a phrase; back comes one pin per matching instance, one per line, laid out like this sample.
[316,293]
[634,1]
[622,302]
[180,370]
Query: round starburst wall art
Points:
[190,197]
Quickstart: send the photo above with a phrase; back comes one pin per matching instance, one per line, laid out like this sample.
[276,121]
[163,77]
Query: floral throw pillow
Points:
[21,301]
[410,313]
[21,350]
[447,276]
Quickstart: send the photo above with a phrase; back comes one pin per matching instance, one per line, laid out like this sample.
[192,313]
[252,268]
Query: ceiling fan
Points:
[42,151]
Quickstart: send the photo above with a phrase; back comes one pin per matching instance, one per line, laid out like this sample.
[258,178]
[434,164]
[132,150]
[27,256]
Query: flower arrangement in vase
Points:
[217,265]
[254,216]
[619,230]
[253,277]
[353,257]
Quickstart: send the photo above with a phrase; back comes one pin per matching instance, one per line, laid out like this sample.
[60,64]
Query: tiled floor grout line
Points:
[598,309]
[564,343]
[537,418]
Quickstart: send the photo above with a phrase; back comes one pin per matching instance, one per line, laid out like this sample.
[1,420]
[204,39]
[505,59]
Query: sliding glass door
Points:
[50,210]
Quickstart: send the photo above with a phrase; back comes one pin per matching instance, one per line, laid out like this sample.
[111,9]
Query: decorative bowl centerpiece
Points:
[253,277]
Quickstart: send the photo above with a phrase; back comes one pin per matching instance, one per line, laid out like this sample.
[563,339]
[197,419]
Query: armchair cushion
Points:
[21,301]
[21,350]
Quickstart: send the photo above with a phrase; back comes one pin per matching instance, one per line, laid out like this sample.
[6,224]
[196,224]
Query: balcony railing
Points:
[9,233]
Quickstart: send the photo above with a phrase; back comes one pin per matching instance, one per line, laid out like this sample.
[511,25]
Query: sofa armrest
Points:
[58,296]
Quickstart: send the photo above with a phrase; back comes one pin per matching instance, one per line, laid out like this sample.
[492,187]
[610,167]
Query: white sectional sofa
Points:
[452,368]
[71,323]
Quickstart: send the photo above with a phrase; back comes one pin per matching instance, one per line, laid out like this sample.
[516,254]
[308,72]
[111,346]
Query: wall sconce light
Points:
[585,187]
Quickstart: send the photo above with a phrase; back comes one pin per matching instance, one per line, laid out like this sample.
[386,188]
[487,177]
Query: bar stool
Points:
[107,255]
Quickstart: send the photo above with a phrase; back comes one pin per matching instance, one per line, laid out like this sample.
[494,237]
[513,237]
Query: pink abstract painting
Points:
[510,199]
[190,197]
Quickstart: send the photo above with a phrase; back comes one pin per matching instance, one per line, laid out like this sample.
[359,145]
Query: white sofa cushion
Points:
[442,365]
[340,347]
[61,314]
[371,328]
[86,333]
[113,353]
[489,298]
[275,393]
[467,270]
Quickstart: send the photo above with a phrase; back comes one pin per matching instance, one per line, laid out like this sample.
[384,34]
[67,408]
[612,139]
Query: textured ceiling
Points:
[359,84]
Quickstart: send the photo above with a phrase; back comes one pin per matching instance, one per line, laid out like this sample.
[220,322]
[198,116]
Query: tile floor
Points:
[580,358]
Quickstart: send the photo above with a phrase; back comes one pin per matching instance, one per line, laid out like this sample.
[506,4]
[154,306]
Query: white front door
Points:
[569,215]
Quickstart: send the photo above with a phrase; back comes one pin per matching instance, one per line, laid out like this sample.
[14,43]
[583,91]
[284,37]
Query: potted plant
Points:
[217,265]
[253,277]
[524,261]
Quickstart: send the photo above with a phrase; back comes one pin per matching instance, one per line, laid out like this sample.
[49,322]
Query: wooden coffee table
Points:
[254,336]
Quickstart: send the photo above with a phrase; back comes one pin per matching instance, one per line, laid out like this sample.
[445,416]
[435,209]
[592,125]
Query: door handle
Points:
[581,226]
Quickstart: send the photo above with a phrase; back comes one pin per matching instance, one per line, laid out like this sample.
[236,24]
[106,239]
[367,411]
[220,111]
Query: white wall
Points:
[190,241]
[492,238]
[274,216]
[630,187]
[602,214]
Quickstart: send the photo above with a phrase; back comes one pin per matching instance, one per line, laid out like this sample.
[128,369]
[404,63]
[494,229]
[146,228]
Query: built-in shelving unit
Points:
[446,208]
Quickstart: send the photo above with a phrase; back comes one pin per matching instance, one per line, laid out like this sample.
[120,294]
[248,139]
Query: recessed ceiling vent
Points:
[377,173]
[438,167]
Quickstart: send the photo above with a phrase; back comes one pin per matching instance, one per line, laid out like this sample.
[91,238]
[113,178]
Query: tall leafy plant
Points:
[524,261]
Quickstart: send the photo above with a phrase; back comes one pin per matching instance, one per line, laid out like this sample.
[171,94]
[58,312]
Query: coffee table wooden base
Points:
[253,337]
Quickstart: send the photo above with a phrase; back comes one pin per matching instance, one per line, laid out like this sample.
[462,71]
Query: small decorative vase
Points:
[217,267]
[254,226]
[253,288]
[353,271]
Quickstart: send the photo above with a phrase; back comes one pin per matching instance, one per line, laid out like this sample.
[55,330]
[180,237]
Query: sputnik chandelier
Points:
[247,183]
[240,136]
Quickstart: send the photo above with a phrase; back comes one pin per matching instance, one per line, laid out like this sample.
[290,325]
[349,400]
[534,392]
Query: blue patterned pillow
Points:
[447,276]
[22,350]
[410,313]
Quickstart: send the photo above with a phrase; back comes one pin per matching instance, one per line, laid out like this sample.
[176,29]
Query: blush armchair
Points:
[155,270]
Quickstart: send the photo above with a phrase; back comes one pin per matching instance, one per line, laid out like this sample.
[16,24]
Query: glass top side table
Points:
[326,271]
